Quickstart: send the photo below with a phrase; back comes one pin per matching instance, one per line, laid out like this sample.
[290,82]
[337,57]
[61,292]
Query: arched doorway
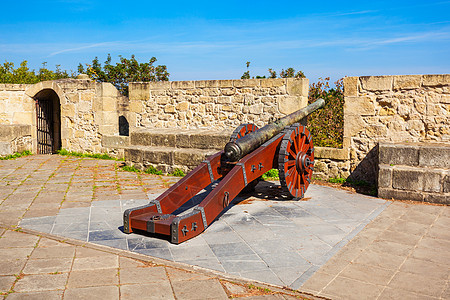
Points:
[48,121]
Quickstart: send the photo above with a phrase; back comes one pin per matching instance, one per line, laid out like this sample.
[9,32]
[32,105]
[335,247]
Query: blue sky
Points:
[214,39]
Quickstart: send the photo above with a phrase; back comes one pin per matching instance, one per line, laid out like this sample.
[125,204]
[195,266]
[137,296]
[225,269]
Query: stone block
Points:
[109,90]
[398,154]
[139,91]
[5,148]
[206,84]
[433,180]
[351,86]
[225,83]
[435,156]
[446,183]
[289,104]
[183,106]
[183,84]
[68,110]
[376,83]
[208,141]
[169,108]
[297,86]
[111,141]
[183,140]
[158,156]
[407,82]
[23,118]
[436,80]
[362,106]
[438,198]
[134,155]
[388,193]
[353,125]
[331,153]
[273,82]
[241,83]
[408,178]
[385,176]
[159,85]
[140,138]
[188,157]
[162,139]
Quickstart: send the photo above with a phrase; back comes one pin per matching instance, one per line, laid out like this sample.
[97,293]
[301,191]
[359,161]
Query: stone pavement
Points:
[394,256]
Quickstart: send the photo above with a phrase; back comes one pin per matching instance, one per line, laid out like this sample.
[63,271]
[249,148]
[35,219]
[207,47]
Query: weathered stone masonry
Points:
[214,104]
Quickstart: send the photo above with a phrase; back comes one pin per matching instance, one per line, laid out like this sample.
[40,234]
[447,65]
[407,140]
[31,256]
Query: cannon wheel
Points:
[242,130]
[296,160]
[239,132]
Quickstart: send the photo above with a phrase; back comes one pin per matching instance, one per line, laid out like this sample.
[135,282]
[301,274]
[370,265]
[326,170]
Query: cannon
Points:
[284,144]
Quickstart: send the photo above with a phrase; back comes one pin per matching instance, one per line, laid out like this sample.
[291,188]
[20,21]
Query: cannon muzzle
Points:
[235,150]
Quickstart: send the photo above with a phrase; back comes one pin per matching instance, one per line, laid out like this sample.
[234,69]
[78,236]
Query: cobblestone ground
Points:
[404,253]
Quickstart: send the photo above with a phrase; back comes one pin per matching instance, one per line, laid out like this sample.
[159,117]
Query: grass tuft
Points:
[16,155]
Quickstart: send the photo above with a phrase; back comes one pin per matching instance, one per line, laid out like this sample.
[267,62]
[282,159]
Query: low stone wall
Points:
[218,104]
[412,108]
[14,138]
[414,171]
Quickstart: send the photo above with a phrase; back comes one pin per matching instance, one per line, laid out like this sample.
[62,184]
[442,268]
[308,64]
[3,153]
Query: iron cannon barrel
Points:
[248,143]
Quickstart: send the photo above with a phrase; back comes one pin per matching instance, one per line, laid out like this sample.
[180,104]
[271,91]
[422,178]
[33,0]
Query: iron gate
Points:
[45,130]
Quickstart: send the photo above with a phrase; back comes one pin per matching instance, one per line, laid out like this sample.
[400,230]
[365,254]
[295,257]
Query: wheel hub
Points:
[302,161]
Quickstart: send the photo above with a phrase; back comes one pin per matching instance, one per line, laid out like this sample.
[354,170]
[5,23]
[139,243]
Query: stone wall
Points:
[15,138]
[414,171]
[412,108]
[15,106]
[88,110]
[218,104]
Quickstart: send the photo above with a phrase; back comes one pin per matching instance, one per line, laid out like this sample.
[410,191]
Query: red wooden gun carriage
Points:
[284,144]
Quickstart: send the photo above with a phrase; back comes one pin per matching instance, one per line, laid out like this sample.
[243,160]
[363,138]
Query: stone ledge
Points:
[331,153]
[113,141]
[180,138]
[393,194]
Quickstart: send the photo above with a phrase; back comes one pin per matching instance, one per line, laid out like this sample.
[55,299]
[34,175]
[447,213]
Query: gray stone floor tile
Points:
[139,243]
[212,264]
[241,263]
[78,235]
[283,259]
[289,274]
[163,253]
[230,249]
[192,253]
[68,219]
[115,243]
[106,235]
[69,227]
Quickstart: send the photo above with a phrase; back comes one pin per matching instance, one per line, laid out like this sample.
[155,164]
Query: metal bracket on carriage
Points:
[251,152]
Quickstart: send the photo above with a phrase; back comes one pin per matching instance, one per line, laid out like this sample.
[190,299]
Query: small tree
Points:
[23,74]
[125,71]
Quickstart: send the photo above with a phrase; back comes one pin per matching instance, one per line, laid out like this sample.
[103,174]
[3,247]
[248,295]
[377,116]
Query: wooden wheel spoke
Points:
[290,163]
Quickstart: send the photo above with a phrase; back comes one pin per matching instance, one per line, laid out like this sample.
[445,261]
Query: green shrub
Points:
[178,173]
[153,170]
[327,124]
[271,175]
[131,169]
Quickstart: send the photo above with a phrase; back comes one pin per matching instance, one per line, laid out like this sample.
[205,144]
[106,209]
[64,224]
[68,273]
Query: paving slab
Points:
[334,240]
[258,237]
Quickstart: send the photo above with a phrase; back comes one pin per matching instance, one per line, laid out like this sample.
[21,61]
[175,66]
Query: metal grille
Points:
[45,139]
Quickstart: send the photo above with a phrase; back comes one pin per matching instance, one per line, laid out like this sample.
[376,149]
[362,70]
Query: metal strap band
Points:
[243,171]
[158,205]
[209,170]
[202,211]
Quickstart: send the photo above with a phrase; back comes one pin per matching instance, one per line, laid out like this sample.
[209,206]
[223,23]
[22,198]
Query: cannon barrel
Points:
[235,150]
